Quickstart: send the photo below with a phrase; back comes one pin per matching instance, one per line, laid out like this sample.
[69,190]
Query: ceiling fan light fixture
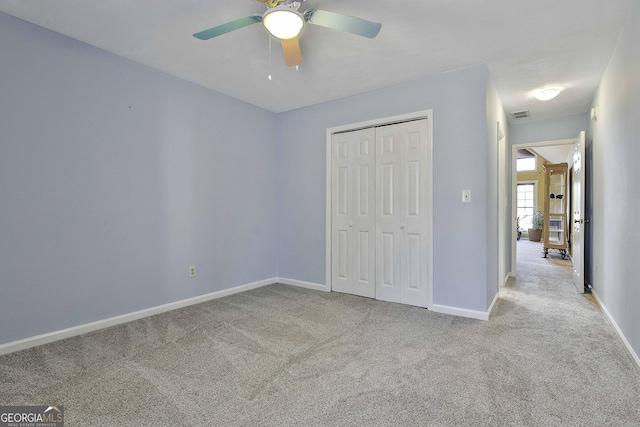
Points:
[282,22]
[546,94]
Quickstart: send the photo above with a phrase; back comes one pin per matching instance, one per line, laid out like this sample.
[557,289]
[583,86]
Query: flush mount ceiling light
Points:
[546,94]
[283,22]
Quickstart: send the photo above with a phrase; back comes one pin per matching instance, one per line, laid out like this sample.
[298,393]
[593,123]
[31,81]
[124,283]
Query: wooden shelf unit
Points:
[555,209]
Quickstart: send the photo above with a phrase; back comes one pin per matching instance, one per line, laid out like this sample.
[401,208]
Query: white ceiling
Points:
[556,153]
[526,44]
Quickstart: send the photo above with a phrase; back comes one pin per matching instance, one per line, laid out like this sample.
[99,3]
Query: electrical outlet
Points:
[192,271]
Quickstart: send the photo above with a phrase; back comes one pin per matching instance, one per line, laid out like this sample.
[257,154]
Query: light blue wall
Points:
[458,100]
[114,178]
[565,127]
[614,143]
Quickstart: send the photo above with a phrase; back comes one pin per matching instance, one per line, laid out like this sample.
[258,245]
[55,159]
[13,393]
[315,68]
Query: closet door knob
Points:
[402,227]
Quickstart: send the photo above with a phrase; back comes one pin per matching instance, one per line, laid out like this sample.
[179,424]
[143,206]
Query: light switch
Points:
[466,196]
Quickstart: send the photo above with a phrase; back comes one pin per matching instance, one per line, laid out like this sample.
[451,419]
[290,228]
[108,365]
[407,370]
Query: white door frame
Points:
[514,183]
[425,114]
[503,275]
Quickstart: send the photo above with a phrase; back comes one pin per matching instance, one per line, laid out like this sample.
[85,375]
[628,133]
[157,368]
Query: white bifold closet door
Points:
[401,213]
[353,242]
[379,189]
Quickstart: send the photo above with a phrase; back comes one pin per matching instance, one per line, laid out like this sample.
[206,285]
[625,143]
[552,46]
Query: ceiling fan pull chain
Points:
[269,57]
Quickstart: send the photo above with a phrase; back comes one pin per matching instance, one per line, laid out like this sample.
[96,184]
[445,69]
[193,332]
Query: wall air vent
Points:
[520,114]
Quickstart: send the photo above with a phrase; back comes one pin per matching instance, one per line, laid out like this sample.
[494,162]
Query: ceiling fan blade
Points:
[228,27]
[292,52]
[347,23]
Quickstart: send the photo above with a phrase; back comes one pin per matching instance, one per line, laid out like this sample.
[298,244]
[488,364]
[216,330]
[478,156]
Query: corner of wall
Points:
[496,239]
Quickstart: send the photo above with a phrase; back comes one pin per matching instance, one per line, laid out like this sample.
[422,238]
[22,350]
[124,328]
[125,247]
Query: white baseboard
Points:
[493,304]
[301,284]
[506,279]
[462,312]
[124,318]
[633,354]
[480,315]
[117,320]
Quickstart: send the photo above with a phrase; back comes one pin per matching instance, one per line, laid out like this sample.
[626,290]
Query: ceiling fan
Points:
[284,22]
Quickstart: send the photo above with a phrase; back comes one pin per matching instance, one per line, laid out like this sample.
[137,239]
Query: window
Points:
[526,164]
[526,160]
[526,204]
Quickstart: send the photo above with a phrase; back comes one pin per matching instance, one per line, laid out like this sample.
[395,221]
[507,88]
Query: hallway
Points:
[548,283]
[552,271]
[596,372]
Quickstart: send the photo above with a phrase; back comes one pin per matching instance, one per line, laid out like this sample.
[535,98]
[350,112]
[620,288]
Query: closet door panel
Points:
[364,222]
[341,213]
[414,213]
[388,232]
[353,213]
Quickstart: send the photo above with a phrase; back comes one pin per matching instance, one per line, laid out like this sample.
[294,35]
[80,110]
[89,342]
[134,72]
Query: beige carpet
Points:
[284,356]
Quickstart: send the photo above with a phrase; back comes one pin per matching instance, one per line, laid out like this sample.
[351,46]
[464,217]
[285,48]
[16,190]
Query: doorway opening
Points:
[527,196]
